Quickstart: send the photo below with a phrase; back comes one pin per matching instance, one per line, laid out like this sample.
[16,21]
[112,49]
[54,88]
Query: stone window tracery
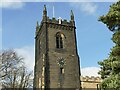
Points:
[59,40]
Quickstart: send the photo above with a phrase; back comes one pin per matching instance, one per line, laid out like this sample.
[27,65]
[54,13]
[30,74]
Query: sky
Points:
[18,23]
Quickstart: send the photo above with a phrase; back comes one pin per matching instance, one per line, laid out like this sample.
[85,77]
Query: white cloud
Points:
[27,53]
[11,4]
[87,7]
[90,71]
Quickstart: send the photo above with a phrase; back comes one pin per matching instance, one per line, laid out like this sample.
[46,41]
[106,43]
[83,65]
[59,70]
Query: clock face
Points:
[61,62]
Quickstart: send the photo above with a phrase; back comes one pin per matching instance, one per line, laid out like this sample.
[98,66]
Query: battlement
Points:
[56,24]
[57,21]
[90,79]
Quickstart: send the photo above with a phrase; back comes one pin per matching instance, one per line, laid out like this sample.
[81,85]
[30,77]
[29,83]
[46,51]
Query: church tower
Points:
[56,58]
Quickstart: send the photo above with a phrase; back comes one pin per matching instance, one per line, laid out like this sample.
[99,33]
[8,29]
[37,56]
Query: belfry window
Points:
[59,40]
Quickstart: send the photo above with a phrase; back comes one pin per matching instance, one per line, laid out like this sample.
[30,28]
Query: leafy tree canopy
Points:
[110,67]
[112,18]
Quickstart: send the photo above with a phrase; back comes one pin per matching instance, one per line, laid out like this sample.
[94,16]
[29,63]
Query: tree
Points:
[110,67]
[13,73]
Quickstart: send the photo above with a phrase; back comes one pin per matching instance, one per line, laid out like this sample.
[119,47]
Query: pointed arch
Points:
[59,40]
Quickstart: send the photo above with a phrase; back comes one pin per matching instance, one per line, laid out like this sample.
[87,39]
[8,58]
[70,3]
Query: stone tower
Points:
[56,58]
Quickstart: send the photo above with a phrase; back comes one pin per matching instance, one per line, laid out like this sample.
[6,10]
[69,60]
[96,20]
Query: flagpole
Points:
[53,12]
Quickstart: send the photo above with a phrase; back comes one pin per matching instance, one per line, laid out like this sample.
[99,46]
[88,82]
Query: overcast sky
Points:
[93,37]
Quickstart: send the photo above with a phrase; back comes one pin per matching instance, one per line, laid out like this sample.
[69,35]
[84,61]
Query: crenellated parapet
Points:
[59,24]
[90,79]
[56,24]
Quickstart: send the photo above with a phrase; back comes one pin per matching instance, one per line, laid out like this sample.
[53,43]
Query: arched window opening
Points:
[59,40]
[61,70]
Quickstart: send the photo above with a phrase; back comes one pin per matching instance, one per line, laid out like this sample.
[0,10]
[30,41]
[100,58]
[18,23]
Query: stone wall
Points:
[90,82]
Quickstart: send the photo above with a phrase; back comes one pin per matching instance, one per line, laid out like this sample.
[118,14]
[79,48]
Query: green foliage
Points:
[112,82]
[112,19]
[116,37]
[110,68]
[105,69]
